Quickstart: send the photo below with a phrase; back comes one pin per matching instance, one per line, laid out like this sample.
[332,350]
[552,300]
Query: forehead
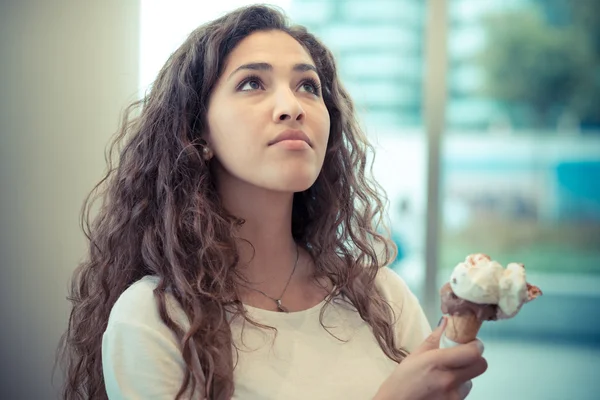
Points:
[274,47]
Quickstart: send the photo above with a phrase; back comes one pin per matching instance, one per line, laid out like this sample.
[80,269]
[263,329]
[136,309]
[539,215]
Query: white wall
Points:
[67,70]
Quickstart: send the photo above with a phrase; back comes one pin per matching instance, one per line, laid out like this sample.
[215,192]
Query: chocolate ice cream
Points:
[454,305]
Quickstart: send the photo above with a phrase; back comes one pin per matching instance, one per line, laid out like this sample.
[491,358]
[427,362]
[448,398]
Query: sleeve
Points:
[141,358]
[411,324]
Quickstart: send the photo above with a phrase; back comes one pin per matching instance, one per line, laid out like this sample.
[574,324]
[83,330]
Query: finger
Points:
[465,389]
[433,340]
[472,371]
[460,356]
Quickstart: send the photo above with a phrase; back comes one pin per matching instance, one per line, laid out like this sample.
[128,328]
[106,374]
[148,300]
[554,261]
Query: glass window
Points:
[521,155]
[521,182]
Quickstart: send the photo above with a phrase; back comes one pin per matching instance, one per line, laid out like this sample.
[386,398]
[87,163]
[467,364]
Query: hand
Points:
[435,374]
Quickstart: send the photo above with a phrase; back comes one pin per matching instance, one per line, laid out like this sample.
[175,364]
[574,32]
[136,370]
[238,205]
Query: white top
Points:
[141,357]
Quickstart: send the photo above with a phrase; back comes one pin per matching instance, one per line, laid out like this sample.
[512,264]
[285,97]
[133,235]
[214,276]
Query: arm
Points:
[141,356]
[428,372]
[139,362]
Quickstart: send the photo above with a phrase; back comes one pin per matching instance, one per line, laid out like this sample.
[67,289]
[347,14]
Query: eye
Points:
[311,86]
[250,83]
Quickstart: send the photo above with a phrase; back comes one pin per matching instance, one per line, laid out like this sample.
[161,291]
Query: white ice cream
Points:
[483,281]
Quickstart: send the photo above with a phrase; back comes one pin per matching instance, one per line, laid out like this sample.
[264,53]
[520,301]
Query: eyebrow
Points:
[261,66]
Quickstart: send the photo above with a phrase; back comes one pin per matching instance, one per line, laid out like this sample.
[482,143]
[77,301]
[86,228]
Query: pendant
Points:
[280,307]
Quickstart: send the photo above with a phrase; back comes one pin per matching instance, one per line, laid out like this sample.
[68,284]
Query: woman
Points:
[234,254]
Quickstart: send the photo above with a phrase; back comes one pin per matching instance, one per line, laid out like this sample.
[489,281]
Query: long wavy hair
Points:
[160,215]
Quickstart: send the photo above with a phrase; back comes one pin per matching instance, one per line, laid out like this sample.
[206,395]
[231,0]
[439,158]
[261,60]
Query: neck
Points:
[266,246]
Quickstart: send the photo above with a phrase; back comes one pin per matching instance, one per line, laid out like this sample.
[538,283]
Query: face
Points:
[267,123]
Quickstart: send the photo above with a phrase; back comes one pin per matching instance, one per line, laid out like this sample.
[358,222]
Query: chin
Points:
[294,182]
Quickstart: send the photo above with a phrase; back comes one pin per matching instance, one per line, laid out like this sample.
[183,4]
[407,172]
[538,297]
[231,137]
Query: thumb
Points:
[433,340]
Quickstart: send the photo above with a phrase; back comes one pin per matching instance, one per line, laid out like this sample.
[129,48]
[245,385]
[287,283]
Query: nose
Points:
[287,106]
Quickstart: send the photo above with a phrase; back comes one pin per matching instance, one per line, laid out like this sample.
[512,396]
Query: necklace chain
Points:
[277,302]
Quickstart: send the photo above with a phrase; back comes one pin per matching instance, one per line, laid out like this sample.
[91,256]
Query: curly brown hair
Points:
[161,215]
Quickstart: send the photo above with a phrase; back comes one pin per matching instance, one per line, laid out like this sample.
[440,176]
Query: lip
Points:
[291,134]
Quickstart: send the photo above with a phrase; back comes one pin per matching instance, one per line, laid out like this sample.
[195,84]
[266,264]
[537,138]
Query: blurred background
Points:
[486,119]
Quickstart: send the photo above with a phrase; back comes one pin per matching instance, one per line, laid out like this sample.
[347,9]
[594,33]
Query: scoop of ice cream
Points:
[476,279]
[481,280]
[513,290]
[454,305]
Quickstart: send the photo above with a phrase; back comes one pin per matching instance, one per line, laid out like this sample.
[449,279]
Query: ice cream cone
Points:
[462,328]
[480,289]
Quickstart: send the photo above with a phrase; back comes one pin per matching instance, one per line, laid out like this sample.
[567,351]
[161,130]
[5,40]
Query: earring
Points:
[207,153]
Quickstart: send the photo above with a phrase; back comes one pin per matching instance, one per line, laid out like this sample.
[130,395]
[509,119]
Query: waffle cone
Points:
[463,328]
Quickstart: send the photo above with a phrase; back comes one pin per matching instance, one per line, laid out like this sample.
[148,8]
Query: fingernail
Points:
[440,321]
[465,388]
[480,346]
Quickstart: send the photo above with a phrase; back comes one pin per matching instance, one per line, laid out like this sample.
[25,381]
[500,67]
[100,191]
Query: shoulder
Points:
[137,302]
[138,305]
[411,325]
[395,291]
[391,285]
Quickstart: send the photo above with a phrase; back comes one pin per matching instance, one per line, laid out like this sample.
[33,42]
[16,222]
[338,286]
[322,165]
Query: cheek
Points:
[323,126]
[230,130]
[327,124]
